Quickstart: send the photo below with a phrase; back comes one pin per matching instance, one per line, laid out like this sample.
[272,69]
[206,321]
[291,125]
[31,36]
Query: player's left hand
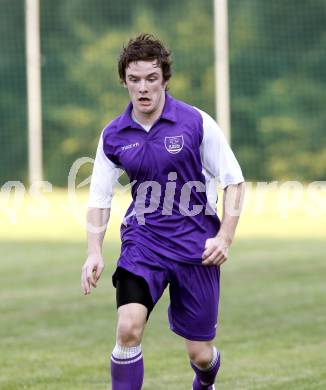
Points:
[216,251]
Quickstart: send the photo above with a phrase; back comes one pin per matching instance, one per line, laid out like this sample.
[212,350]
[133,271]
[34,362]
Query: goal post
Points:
[221,51]
[34,102]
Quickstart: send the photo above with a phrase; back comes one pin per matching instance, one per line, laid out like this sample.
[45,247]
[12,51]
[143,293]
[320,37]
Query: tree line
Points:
[277,67]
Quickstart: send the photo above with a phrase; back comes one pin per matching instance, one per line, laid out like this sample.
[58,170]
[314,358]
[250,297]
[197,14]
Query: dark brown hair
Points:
[145,47]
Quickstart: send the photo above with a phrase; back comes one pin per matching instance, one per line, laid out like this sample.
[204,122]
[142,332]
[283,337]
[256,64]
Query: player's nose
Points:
[142,86]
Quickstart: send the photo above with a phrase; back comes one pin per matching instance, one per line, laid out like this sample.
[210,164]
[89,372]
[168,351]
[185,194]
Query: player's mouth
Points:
[144,101]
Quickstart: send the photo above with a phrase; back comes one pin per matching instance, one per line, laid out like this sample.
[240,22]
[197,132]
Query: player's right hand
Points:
[91,272]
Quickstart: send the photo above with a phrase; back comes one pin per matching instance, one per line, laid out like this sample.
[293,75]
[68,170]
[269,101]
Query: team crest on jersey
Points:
[174,144]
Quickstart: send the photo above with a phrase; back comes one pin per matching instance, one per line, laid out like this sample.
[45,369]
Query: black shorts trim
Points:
[131,288]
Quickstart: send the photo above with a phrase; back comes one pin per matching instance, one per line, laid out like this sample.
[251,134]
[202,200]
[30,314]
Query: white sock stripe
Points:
[215,357]
[126,361]
[134,357]
[121,352]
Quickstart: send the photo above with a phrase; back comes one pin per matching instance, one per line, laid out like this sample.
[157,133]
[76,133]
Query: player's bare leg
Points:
[205,361]
[127,367]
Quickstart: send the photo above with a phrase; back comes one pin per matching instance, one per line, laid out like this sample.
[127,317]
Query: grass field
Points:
[272,330]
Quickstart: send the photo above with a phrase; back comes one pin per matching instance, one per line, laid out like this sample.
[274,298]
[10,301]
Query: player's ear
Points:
[165,84]
[123,82]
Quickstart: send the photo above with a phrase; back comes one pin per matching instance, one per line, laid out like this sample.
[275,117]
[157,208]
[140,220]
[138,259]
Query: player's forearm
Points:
[97,221]
[232,207]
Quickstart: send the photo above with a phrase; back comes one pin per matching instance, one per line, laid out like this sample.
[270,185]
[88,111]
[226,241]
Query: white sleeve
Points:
[105,175]
[217,157]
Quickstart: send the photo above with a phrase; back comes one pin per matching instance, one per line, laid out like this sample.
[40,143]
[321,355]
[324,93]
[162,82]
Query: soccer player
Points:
[171,236]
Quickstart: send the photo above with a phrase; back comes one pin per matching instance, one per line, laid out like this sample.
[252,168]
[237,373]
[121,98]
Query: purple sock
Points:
[127,368]
[204,379]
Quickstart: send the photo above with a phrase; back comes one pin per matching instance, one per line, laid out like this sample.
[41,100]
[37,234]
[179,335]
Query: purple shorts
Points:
[194,289]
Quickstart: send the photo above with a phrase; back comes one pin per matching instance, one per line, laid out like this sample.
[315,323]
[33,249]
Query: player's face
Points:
[146,87]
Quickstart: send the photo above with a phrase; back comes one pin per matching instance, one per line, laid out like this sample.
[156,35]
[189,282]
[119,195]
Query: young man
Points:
[171,235]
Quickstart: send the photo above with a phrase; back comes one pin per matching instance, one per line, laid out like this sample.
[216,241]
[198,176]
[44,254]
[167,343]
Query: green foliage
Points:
[277,59]
[13,134]
[278,88]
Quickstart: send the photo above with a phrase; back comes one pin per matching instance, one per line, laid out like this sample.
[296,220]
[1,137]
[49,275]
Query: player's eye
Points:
[152,79]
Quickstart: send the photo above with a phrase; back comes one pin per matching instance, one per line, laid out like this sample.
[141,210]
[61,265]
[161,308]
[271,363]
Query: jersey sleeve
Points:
[217,157]
[104,177]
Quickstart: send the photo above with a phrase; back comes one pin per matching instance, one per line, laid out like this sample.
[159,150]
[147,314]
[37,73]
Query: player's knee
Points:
[128,333]
[201,357]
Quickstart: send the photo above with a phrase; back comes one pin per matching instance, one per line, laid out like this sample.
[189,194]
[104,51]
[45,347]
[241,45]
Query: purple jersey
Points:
[170,212]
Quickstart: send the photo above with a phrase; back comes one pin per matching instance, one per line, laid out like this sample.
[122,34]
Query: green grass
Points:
[272,313]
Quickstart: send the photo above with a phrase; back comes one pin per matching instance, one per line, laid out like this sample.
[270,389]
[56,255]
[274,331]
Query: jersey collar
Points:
[169,114]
